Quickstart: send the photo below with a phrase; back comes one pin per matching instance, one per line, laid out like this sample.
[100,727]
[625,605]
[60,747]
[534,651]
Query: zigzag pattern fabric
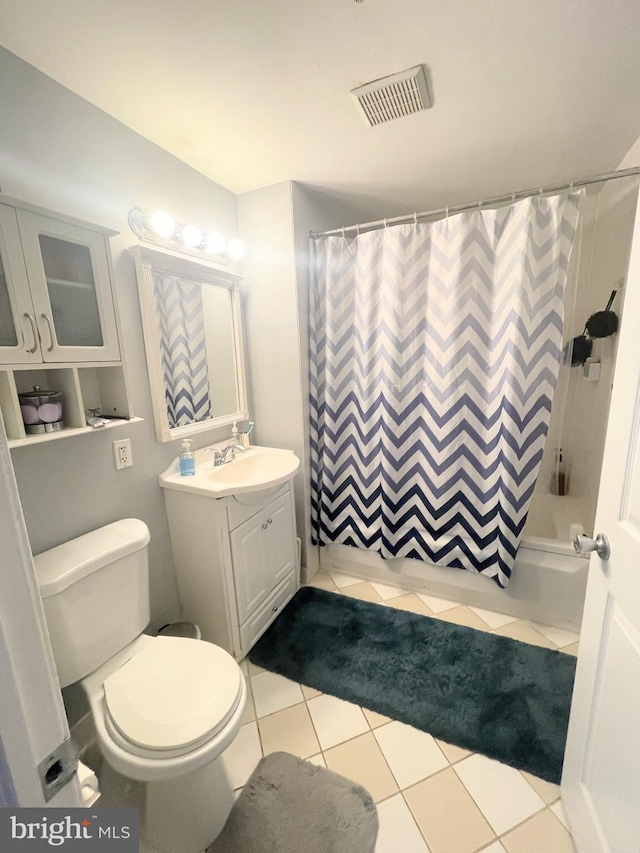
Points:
[183,348]
[435,351]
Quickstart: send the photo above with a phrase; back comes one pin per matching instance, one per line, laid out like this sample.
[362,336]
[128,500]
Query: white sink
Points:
[256,469]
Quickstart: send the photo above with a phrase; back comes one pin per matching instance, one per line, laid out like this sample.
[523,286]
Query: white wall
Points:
[58,151]
[269,301]
[580,406]
[608,260]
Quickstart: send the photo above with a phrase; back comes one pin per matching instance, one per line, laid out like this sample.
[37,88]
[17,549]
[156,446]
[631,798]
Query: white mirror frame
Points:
[147,260]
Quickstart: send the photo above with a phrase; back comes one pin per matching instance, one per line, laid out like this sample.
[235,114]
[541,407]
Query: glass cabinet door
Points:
[18,333]
[71,289]
[72,292]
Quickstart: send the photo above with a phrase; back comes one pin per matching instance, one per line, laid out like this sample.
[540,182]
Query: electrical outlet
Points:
[122,453]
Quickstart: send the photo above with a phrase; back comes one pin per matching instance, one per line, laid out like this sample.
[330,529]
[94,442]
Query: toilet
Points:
[165,708]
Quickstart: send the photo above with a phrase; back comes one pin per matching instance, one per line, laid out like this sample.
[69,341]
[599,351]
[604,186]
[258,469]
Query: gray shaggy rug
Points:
[292,806]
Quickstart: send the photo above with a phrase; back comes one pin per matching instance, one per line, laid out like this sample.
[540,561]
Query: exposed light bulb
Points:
[191,236]
[216,243]
[235,248]
[163,224]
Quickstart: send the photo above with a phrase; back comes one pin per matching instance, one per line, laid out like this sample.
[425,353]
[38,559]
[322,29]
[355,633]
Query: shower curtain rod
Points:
[487,202]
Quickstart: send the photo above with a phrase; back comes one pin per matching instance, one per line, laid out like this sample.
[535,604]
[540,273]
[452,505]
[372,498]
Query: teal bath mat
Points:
[490,694]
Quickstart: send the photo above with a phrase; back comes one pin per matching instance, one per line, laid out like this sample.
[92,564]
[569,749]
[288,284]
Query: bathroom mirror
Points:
[193,342]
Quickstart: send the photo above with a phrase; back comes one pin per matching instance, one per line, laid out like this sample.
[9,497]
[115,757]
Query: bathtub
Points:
[547,585]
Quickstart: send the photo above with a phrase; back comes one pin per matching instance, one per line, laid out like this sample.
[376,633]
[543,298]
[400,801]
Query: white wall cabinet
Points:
[57,302]
[236,562]
[58,326]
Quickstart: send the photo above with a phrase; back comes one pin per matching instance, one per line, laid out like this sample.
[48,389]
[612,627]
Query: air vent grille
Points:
[393,97]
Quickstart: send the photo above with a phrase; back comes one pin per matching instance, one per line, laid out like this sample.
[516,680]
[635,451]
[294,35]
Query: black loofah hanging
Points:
[602,324]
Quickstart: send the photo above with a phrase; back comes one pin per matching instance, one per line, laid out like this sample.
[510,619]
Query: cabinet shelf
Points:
[63,282]
[84,387]
[67,432]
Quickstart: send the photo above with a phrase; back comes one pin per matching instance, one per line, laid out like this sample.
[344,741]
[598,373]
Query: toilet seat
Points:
[171,697]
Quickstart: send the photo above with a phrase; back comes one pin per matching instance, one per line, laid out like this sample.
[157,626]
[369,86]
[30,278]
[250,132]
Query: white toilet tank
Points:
[95,592]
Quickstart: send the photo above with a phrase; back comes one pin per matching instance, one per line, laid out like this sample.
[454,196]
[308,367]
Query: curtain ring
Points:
[385,222]
[415,217]
[346,242]
[570,185]
[479,204]
[446,212]
[513,198]
[357,230]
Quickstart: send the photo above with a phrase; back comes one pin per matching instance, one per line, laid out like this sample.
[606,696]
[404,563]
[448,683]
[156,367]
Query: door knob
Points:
[583,545]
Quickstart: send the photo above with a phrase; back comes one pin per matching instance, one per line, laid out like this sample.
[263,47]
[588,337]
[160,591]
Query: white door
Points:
[33,725]
[19,341]
[601,777]
[281,539]
[251,569]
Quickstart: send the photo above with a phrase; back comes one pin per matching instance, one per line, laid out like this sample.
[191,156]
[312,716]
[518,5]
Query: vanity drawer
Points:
[254,627]
[240,509]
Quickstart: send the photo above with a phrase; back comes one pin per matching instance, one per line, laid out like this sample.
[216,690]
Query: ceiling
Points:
[253,92]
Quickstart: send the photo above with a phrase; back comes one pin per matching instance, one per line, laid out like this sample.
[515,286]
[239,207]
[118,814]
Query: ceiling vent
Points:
[393,97]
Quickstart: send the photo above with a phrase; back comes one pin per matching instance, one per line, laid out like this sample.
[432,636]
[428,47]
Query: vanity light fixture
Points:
[160,229]
[162,224]
[191,236]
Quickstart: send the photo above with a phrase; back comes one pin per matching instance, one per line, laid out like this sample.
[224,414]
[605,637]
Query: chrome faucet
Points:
[233,445]
[220,456]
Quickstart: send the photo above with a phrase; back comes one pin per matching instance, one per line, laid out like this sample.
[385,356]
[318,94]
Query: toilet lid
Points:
[173,693]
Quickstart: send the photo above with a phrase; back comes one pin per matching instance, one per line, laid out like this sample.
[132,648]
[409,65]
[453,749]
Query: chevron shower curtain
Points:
[183,348]
[435,351]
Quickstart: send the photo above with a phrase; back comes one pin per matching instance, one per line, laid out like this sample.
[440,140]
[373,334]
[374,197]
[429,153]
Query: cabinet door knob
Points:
[47,320]
[34,331]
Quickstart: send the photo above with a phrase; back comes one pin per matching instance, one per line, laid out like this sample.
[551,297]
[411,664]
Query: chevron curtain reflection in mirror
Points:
[435,350]
[183,348]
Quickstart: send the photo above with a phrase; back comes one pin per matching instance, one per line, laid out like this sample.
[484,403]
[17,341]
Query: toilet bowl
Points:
[165,708]
[159,722]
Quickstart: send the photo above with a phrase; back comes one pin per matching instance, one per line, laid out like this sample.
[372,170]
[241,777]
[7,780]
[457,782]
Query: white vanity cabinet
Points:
[236,561]
[262,553]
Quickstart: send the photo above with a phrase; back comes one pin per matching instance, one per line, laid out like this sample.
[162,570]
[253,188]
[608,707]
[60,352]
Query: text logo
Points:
[34,830]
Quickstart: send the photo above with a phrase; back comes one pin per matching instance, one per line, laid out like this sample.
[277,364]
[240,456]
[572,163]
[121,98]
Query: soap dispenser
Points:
[186,460]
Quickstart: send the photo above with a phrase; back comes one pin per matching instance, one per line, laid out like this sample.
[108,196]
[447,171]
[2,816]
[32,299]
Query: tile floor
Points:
[432,797]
